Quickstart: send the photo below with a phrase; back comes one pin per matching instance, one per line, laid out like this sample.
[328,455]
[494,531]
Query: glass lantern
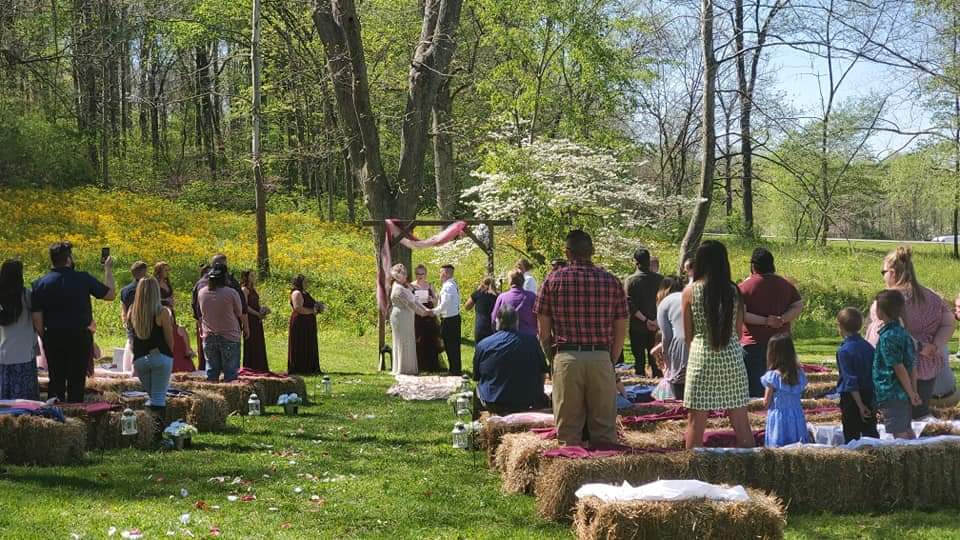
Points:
[463,405]
[461,438]
[327,386]
[253,405]
[128,423]
[465,383]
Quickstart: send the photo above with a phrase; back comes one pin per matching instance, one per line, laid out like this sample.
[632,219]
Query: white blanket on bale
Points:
[663,490]
[425,388]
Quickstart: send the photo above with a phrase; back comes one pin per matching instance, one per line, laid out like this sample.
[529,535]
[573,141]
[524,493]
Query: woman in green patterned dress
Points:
[716,376]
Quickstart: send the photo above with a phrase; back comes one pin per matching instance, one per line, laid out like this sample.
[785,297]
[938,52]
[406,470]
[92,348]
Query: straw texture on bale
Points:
[206,411]
[828,377]
[759,518]
[816,389]
[492,433]
[115,385]
[269,389]
[35,440]
[518,460]
[806,479]
[103,431]
[807,403]
[947,402]
[235,394]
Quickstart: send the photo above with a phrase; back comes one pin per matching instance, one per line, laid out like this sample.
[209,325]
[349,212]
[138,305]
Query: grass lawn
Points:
[378,466]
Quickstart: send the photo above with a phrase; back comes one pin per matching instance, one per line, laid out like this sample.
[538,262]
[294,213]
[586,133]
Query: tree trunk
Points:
[746,105]
[205,118]
[125,123]
[144,67]
[85,71]
[443,164]
[263,259]
[698,221]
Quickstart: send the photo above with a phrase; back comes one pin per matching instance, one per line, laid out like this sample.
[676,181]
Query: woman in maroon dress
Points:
[181,351]
[254,346]
[303,354]
[426,328]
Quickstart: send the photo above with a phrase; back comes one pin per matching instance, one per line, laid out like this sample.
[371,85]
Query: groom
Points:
[449,312]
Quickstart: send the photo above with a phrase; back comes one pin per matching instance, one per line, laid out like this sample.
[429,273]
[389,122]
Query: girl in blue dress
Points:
[784,383]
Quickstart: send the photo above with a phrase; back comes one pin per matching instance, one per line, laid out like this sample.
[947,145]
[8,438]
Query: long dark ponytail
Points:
[712,265]
[11,292]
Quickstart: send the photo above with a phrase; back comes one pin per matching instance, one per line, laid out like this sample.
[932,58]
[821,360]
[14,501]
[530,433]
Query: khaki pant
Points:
[584,394]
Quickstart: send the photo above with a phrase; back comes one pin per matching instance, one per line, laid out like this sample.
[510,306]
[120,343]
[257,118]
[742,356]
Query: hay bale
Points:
[939,428]
[492,432]
[949,401]
[824,377]
[760,517]
[518,460]
[206,411]
[103,431]
[36,440]
[806,479]
[816,389]
[235,394]
[269,389]
[114,385]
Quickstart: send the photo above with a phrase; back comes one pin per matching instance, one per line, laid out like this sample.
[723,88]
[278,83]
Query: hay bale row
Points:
[41,441]
[518,460]
[816,389]
[807,479]
[828,376]
[760,517]
[755,405]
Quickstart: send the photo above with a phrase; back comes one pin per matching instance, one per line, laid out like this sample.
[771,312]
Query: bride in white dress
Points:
[405,305]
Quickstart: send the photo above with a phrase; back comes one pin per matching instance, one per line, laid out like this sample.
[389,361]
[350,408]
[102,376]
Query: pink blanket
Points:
[813,368]
[91,409]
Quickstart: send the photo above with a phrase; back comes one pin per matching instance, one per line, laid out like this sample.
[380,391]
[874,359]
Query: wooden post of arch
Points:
[407,230]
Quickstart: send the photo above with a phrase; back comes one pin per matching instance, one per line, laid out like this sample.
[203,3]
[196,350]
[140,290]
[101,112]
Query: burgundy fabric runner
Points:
[813,368]
[247,372]
[728,438]
[91,409]
[678,413]
[394,230]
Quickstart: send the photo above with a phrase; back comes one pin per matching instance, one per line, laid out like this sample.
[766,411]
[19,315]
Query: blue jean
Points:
[222,355]
[153,370]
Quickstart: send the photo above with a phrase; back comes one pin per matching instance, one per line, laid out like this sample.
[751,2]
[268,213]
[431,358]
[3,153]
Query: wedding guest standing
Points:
[482,300]
[404,308]
[221,314]
[138,270]
[449,312]
[152,325]
[181,349]
[201,360]
[521,300]
[60,303]
[255,346]
[641,288]
[529,282]
[426,328]
[303,353]
[18,340]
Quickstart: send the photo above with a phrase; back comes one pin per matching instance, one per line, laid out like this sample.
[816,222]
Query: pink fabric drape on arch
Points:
[394,230]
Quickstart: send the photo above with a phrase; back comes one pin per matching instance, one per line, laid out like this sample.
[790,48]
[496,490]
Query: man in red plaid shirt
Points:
[582,316]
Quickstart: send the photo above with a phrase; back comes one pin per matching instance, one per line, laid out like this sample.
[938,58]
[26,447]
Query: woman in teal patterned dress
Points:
[716,375]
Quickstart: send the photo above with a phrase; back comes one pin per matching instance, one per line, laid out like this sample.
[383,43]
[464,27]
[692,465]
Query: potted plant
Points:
[181,433]
[290,403]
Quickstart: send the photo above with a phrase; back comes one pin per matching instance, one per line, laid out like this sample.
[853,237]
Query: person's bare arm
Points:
[296,298]
[753,319]
[864,410]
[469,305]
[907,382]
[108,280]
[793,311]
[545,329]
[945,332]
[37,322]
[166,322]
[767,397]
[619,333]
[687,302]
[740,316]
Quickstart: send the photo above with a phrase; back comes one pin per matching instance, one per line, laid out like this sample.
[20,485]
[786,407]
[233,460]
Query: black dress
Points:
[254,346]
[483,302]
[303,353]
[427,331]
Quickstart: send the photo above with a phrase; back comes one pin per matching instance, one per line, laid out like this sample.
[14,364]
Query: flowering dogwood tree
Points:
[548,187]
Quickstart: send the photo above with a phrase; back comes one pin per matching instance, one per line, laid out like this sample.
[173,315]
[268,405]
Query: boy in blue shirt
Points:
[894,373]
[855,362]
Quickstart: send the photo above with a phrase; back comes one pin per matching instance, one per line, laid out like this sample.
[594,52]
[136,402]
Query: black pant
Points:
[68,352]
[677,390]
[755,358]
[450,334]
[925,389]
[854,425]
[641,341]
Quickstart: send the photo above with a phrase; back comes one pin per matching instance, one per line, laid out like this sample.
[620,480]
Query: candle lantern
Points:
[463,405]
[128,423]
[461,438]
[253,405]
[465,383]
[327,386]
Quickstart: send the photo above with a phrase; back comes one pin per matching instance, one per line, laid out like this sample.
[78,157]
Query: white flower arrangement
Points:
[289,399]
[179,428]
